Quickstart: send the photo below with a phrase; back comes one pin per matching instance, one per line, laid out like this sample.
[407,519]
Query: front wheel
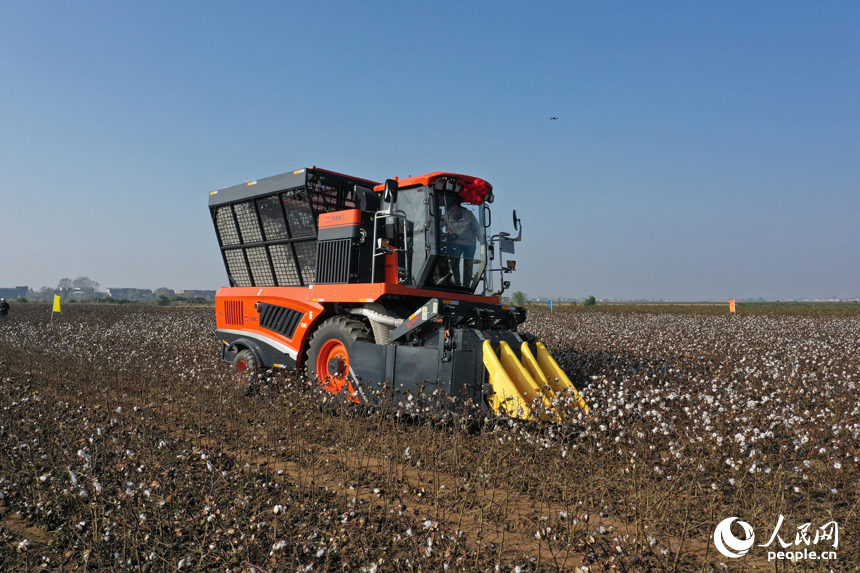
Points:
[329,352]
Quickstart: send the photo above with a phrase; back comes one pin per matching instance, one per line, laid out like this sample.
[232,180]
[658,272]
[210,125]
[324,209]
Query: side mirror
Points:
[390,193]
[516,221]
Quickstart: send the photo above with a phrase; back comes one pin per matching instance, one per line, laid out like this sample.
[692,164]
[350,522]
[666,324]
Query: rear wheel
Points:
[245,365]
[329,352]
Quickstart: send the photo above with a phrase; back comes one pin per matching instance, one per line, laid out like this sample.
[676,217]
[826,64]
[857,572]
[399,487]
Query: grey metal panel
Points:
[368,362]
[265,186]
[416,367]
[463,383]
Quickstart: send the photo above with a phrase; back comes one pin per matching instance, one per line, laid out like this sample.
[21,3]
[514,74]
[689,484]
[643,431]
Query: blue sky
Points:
[703,151]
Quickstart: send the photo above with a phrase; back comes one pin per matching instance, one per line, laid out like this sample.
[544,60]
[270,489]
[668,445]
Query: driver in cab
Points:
[462,235]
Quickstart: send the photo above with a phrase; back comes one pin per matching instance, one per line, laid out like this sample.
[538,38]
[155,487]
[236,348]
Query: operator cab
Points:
[441,230]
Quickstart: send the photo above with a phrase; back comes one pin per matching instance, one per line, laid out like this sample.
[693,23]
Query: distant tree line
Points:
[519,298]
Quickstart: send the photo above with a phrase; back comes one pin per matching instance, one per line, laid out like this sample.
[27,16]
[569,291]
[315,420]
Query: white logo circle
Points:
[727,543]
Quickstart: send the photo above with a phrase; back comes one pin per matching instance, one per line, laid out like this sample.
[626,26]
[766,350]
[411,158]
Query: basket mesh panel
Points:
[248,224]
[274,225]
[263,220]
[349,199]
[260,269]
[306,253]
[237,268]
[323,195]
[285,265]
[299,215]
[226,226]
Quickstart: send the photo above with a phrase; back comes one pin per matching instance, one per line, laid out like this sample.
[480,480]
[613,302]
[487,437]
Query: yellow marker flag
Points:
[56,303]
[732,306]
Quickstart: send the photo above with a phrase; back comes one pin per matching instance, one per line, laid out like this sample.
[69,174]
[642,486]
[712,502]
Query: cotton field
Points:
[734,384]
[127,445]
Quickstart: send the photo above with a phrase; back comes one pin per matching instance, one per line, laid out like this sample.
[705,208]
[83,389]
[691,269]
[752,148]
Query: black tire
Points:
[245,367]
[329,351]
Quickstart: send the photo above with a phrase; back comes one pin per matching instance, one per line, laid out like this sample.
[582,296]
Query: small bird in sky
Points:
[553,118]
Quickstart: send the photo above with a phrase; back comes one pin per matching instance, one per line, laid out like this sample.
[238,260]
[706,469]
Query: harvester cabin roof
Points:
[473,189]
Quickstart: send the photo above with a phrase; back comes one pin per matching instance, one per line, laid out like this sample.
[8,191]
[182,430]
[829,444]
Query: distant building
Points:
[129,293]
[208,294]
[13,292]
[80,292]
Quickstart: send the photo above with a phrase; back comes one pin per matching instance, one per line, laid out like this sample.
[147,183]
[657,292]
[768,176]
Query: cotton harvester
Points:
[367,285]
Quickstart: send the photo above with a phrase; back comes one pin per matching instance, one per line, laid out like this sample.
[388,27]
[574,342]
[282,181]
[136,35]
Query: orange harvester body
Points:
[372,287]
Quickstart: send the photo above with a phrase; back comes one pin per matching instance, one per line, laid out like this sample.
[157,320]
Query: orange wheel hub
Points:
[332,367]
[241,371]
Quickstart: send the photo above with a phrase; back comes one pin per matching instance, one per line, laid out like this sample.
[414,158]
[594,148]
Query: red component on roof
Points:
[474,190]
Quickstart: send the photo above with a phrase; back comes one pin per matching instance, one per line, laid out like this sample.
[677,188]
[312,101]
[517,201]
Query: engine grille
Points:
[333,261]
[234,312]
[280,319]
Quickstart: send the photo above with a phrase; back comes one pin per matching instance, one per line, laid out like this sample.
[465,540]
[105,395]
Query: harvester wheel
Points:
[329,353]
[244,366]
